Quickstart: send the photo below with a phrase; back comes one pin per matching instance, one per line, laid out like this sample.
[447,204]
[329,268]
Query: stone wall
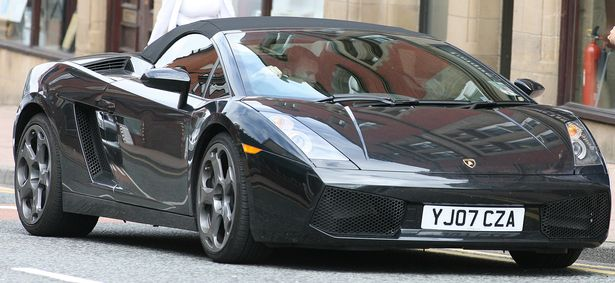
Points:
[475,27]
[90,39]
[535,47]
[402,13]
[157,5]
[603,133]
[91,33]
[16,66]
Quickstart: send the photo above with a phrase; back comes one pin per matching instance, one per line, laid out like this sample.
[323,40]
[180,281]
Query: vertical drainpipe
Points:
[506,37]
[266,6]
[423,16]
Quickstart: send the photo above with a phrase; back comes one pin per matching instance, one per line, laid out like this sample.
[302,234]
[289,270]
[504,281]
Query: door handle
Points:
[106,105]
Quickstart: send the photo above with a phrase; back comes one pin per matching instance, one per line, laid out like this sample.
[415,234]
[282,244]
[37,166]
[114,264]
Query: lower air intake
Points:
[349,213]
[584,218]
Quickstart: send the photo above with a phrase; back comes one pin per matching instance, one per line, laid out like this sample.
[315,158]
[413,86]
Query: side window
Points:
[183,47]
[217,85]
[195,54]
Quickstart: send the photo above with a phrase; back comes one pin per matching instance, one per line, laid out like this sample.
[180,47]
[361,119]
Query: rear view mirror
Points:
[175,80]
[530,87]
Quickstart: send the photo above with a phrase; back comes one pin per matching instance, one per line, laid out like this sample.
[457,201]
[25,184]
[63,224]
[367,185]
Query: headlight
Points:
[314,146]
[584,148]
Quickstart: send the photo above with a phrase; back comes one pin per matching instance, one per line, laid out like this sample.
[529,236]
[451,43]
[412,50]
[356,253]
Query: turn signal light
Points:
[573,130]
[250,149]
[584,148]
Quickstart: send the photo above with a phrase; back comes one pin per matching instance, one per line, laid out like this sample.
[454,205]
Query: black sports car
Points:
[269,132]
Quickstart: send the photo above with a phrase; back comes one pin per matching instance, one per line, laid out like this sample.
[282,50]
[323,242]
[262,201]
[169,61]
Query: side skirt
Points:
[82,204]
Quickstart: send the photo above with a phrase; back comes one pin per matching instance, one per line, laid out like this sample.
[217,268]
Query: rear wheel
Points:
[222,205]
[38,185]
[530,259]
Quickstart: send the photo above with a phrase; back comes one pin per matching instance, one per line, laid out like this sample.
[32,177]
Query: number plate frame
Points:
[468,218]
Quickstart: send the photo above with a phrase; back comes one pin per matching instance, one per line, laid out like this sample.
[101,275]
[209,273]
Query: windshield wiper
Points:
[390,99]
[492,104]
[354,98]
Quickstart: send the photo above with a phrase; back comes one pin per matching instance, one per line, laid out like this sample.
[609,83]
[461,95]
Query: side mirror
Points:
[530,87]
[175,80]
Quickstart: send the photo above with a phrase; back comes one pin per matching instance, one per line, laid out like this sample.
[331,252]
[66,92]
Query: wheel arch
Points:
[28,111]
[207,134]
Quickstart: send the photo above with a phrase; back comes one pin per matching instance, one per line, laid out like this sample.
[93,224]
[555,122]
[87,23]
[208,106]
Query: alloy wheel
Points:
[216,197]
[33,172]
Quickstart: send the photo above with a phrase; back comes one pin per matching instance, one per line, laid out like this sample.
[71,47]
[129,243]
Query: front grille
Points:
[584,217]
[349,213]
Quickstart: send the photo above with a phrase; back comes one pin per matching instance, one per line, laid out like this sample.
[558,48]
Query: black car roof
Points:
[208,28]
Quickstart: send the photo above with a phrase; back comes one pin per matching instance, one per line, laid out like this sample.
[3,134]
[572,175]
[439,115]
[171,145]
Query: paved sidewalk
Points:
[7,116]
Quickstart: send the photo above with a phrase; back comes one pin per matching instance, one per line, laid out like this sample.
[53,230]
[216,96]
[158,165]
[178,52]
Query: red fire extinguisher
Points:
[590,67]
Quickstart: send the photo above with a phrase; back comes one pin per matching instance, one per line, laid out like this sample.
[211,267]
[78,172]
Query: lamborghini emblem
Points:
[469,162]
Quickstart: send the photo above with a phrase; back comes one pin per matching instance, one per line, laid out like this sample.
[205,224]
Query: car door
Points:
[151,169]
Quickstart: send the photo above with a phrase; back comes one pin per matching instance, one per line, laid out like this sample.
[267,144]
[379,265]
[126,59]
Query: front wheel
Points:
[38,185]
[222,211]
[530,259]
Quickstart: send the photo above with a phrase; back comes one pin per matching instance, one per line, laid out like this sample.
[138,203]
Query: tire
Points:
[529,259]
[38,185]
[221,203]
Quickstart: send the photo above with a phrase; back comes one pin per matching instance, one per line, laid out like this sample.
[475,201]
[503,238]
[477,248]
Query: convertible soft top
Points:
[208,28]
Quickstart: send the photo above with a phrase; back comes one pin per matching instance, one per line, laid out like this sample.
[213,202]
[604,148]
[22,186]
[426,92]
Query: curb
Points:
[6,176]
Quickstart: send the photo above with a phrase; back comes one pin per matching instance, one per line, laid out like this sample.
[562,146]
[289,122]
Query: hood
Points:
[516,140]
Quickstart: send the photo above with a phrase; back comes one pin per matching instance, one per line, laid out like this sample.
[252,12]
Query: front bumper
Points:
[358,209]
[352,219]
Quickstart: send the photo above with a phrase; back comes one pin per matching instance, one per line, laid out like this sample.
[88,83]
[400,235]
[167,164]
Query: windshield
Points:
[314,65]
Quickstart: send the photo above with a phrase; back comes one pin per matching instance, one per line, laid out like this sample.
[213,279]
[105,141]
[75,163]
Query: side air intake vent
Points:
[108,64]
[88,134]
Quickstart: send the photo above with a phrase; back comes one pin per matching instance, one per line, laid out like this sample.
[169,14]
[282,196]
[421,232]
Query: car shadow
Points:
[180,242]
[186,243]
[406,261]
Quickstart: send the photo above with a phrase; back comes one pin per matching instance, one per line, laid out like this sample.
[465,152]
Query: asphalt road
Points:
[129,252]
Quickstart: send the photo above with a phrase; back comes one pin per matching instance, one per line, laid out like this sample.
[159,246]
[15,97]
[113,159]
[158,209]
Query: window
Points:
[196,54]
[597,102]
[16,20]
[49,24]
[200,66]
[129,24]
[599,14]
[217,85]
[312,65]
[183,47]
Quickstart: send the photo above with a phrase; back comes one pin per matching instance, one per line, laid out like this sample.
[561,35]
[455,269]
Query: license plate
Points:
[464,218]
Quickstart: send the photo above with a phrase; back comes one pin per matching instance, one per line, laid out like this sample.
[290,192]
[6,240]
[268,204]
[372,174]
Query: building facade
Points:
[539,39]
